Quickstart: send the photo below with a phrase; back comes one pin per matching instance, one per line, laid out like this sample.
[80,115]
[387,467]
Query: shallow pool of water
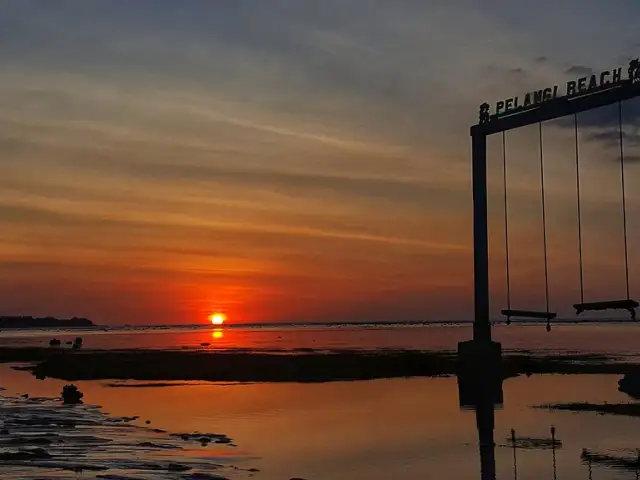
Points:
[402,428]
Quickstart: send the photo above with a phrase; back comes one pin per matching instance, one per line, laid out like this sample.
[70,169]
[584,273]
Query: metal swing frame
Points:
[491,124]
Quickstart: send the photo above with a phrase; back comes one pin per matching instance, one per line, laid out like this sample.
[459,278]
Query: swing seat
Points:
[608,305]
[529,314]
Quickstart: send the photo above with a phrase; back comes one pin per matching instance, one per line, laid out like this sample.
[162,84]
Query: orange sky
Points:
[283,163]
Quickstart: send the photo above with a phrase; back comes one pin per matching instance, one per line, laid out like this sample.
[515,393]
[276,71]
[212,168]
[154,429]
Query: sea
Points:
[408,428]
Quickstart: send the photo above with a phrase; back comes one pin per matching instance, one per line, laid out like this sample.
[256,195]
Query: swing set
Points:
[618,304]
[609,87]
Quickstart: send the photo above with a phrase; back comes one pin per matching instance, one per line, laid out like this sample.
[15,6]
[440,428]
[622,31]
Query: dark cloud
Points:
[602,124]
[517,74]
[628,159]
[611,138]
[541,59]
[580,70]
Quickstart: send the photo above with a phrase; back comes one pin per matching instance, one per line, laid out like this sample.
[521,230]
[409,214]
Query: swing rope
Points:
[627,304]
[624,203]
[525,313]
[515,460]
[575,122]
[506,223]
[544,227]
[553,447]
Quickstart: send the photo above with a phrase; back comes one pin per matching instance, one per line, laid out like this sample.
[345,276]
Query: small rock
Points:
[71,395]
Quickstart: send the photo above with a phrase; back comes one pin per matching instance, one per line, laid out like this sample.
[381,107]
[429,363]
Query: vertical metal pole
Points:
[481,322]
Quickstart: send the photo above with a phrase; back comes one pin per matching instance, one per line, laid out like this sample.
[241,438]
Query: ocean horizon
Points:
[381,323]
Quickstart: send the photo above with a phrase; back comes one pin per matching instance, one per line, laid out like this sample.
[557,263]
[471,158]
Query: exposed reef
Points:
[313,366]
[627,409]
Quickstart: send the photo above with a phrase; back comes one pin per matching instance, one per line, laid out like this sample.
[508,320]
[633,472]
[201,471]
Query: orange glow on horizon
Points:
[218,318]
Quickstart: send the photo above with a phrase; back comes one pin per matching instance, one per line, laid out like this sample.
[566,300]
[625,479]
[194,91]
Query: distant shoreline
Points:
[27,322]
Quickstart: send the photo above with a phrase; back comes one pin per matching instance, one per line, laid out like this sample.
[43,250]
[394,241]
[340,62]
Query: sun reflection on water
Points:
[217,334]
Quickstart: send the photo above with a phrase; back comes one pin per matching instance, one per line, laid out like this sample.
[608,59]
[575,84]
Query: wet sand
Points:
[40,436]
[283,366]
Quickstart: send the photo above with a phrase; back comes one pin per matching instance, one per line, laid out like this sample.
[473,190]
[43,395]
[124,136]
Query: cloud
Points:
[580,70]
[611,138]
[628,159]
[601,126]
[292,149]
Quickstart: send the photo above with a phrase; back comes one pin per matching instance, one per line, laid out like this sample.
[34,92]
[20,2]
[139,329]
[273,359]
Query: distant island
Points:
[44,322]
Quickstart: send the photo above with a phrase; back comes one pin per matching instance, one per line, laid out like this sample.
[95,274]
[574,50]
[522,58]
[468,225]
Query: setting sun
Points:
[217,318]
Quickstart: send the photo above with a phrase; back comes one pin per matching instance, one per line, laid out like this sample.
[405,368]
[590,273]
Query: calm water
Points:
[405,429]
[402,428]
[617,339]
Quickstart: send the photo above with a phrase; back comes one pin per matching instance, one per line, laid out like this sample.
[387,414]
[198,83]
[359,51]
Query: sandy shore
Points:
[308,366]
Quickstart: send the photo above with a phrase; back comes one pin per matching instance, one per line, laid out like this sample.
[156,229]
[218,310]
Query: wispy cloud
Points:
[252,153]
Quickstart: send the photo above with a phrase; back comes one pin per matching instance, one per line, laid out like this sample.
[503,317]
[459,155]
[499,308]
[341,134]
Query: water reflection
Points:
[485,420]
[399,428]
[217,334]
[485,407]
[486,402]
[619,340]
[619,463]
[528,443]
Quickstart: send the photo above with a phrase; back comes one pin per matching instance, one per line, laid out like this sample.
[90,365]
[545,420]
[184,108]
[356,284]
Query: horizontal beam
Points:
[607,305]
[558,108]
[529,314]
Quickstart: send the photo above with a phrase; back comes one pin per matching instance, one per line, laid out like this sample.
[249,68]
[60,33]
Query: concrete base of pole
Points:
[480,373]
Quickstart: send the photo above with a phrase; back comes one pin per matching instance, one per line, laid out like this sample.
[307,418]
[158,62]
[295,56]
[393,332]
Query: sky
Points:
[294,160]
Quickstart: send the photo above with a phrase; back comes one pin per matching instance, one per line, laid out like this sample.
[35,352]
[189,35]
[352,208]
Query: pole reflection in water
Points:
[515,456]
[485,421]
[485,402]
[482,393]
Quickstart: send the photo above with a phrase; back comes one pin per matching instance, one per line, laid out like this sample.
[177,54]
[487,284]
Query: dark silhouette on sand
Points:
[71,395]
[630,384]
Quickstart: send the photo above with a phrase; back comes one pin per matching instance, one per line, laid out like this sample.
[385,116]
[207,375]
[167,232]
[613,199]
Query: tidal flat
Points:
[57,441]
[285,366]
